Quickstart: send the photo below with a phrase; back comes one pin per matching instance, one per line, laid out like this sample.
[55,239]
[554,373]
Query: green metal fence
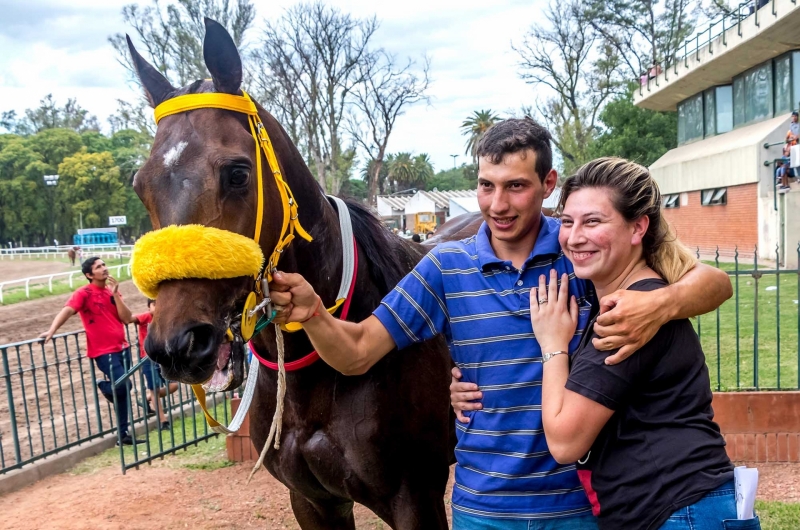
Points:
[752,341]
[49,402]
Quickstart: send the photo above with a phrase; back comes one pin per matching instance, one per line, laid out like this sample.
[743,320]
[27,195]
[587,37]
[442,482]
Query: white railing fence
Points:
[61,251]
[49,277]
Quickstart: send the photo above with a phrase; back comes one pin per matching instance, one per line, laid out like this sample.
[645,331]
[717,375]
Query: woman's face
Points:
[595,237]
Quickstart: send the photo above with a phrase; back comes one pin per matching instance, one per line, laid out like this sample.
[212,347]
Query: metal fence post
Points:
[756,276]
[736,276]
[11,409]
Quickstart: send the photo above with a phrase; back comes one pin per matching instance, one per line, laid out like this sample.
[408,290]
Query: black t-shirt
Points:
[661,450]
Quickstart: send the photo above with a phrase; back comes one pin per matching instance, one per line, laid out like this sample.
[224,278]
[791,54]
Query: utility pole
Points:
[51,181]
[454,160]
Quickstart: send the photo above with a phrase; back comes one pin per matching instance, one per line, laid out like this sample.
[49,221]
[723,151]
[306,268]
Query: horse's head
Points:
[202,171]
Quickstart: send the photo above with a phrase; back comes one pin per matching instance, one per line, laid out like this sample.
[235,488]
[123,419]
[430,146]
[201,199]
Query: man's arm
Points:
[349,347]
[61,317]
[123,312]
[629,319]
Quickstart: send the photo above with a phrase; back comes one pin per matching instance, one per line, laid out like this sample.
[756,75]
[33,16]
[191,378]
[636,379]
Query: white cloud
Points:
[61,47]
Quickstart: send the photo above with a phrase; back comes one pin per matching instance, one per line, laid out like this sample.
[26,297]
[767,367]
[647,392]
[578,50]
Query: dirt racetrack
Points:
[160,496]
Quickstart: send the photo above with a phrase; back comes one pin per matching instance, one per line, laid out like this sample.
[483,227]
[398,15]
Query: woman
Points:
[649,453]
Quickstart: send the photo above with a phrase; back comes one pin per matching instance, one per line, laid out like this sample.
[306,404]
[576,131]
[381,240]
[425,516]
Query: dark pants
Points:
[113,365]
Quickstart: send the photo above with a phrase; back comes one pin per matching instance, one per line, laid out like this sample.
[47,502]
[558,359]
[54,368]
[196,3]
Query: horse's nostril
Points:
[189,355]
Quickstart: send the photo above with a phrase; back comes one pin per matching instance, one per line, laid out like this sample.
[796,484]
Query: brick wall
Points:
[726,226]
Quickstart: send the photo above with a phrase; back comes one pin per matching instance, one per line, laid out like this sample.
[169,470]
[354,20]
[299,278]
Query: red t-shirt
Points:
[142,321]
[105,332]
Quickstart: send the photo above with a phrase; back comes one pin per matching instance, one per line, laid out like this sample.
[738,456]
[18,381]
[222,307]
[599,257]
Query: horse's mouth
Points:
[229,371]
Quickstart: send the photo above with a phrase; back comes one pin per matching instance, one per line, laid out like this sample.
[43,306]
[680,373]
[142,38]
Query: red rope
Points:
[313,357]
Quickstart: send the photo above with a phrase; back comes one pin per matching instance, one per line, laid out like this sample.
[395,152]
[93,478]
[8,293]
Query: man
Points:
[476,292]
[104,315]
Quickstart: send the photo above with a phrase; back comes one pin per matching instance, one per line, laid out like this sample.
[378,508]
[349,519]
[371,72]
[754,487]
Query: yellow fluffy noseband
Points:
[192,251]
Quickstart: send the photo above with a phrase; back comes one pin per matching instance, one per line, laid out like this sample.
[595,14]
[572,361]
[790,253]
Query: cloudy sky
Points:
[61,47]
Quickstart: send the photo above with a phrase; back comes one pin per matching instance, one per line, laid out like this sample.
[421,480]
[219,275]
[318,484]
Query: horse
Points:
[73,254]
[384,439]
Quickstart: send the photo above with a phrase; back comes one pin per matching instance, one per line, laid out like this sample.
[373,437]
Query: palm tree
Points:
[475,127]
[406,171]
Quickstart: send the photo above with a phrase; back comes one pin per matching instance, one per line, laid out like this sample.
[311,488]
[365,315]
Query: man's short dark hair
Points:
[150,301]
[86,266]
[515,135]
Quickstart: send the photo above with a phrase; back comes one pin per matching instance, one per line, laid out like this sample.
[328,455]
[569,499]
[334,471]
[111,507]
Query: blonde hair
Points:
[636,194]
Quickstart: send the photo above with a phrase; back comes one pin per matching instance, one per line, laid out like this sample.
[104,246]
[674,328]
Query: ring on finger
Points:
[542,301]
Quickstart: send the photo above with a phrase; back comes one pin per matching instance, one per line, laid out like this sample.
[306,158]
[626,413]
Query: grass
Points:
[734,362]
[16,293]
[206,455]
[778,515]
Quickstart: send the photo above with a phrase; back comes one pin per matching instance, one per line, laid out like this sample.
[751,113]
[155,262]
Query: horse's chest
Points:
[315,465]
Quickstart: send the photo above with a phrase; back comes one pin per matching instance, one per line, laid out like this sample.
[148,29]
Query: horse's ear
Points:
[155,85]
[222,58]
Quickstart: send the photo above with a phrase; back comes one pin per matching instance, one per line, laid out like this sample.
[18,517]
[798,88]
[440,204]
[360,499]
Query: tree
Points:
[635,133]
[91,185]
[48,115]
[452,179]
[474,127]
[172,40]
[562,56]
[354,189]
[642,32]
[23,210]
[407,171]
[306,68]
[385,89]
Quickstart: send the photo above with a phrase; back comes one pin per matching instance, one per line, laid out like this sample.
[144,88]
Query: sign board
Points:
[117,220]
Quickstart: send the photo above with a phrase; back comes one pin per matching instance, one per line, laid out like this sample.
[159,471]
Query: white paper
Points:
[794,156]
[746,480]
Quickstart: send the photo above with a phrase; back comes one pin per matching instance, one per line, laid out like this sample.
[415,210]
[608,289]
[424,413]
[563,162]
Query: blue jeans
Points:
[463,521]
[113,364]
[715,511]
[152,374]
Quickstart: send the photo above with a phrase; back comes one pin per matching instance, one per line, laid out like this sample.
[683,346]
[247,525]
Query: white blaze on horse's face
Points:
[172,156]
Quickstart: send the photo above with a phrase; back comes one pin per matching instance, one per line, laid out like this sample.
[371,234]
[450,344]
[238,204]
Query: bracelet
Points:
[547,356]
[316,310]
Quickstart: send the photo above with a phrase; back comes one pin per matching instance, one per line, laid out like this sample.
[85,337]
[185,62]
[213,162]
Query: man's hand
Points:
[628,320]
[293,298]
[114,284]
[46,336]
[463,395]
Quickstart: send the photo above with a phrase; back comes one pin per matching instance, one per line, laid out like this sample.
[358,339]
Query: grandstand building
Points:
[734,87]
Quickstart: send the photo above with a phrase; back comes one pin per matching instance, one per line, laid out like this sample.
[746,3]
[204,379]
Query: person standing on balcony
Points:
[104,315]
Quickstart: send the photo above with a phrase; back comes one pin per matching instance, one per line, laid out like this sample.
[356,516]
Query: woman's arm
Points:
[571,421]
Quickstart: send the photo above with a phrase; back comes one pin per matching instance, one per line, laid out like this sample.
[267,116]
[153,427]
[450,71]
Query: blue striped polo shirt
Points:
[481,304]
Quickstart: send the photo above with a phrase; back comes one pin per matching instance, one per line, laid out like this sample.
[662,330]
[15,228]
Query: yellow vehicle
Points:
[424,223]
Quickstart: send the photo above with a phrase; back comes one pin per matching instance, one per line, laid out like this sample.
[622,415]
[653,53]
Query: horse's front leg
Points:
[419,507]
[336,514]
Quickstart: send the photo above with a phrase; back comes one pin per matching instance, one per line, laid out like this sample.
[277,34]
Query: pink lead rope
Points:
[313,357]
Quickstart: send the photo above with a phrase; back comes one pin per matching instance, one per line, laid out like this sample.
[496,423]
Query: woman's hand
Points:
[293,298]
[463,396]
[554,321]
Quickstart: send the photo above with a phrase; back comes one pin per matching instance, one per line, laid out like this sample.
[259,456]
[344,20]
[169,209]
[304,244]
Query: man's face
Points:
[510,195]
[99,271]
[794,118]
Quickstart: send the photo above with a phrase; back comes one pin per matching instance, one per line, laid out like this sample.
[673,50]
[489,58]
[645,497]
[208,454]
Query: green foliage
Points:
[407,171]
[474,128]
[48,115]
[354,189]
[635,133]
[460,178]
[95,180]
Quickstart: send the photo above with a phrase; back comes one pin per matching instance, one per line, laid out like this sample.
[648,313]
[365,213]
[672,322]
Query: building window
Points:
[714,197]
[709,113]
[753,95]
[783,84]
[724,108]
[690,119]
[672,201]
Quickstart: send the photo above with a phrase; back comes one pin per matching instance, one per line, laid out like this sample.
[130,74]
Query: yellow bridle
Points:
[245,105]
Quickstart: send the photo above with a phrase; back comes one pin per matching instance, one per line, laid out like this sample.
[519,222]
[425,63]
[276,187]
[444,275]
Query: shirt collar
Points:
[546,243]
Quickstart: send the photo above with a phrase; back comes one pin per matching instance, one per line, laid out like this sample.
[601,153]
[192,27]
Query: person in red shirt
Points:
[104,315]
[156,388]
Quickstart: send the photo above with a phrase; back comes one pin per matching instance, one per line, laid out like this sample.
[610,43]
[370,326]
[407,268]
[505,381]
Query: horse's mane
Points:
[390,258]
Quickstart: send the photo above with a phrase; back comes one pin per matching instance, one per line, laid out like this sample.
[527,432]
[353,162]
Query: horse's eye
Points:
[238,176]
